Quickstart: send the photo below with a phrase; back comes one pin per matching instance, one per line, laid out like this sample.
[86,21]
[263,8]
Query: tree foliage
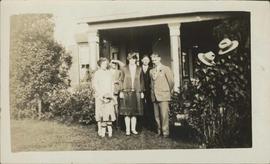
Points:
[38,64]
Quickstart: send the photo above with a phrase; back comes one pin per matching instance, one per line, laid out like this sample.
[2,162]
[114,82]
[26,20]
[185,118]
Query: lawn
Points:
[34,135]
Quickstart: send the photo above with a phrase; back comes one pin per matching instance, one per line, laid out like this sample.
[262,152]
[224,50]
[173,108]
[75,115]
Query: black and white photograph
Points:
[129,81]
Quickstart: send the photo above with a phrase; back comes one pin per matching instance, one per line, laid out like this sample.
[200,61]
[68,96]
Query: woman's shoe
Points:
[103,132]
[134,132]
[110,131]
[127,133]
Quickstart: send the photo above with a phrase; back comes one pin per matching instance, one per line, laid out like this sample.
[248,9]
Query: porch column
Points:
[176,54]
[93,42]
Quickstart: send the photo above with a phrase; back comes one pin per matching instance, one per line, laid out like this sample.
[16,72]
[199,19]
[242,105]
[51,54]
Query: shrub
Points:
[73,107]
[60,105]
[220,96]
[83,106]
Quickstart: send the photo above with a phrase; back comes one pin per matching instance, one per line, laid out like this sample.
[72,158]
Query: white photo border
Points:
[259,153]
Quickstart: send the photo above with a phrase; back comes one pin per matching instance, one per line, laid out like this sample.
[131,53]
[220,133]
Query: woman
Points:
[131,93]
[104,99]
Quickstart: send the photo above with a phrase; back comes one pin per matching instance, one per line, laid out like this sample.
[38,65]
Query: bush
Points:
[60,105]
[75,107]
[84,107]
[219,99]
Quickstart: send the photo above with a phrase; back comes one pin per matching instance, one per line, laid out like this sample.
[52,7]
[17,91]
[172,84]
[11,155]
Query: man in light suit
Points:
[161,88]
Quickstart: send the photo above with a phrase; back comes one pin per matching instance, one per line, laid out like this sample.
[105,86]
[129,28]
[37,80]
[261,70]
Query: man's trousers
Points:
[161,110]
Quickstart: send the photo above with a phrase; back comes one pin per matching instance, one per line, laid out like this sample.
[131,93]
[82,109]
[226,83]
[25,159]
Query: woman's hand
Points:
[142,95]
[121,95]
[121,64]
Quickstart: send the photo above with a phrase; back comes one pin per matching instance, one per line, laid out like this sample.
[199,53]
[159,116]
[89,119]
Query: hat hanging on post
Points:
[207,58]
[226,45]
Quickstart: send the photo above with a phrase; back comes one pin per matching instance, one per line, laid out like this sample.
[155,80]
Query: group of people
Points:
[132,91]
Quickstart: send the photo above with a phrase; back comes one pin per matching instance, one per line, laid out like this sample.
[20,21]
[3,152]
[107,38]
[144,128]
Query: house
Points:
[177,37]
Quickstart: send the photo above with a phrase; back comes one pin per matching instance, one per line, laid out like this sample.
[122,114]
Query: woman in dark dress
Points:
[131,94]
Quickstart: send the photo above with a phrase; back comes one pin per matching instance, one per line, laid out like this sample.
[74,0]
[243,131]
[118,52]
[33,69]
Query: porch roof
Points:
[133,16]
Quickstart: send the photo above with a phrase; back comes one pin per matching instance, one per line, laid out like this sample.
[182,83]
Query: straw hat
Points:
[226,45]
[207,58]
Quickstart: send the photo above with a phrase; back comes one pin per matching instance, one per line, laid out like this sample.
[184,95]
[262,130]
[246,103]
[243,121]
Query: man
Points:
[148,120]
[161,88]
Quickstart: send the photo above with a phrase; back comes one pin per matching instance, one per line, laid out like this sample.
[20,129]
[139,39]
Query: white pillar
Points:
[176,54]
[93,42]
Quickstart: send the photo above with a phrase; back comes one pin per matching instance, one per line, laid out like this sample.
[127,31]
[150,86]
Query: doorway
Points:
[117,43]
[196,37]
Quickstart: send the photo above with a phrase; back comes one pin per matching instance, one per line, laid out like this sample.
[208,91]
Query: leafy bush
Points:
[180,104]
[75,107]
[60,105]
[219,98]
[83,107]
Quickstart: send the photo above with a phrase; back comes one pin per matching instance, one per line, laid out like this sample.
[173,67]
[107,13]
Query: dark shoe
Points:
[158,134]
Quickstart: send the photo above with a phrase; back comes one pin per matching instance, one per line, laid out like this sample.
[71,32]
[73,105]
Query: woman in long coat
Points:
[131,94]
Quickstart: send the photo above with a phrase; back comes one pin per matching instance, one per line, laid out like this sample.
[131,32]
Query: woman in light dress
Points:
[104,98]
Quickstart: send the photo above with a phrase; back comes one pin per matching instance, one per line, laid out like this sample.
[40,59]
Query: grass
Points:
[34,135]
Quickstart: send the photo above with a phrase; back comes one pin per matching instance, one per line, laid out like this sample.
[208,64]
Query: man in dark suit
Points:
[161,88]
[148,118]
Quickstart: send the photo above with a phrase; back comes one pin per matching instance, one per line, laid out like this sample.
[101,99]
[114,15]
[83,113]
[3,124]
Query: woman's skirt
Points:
[131,104]
[105,111]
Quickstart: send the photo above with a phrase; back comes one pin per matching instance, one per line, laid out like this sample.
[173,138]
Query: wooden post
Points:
[93,42]
[176,54]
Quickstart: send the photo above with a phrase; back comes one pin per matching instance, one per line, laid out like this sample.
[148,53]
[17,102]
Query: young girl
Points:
[104,99]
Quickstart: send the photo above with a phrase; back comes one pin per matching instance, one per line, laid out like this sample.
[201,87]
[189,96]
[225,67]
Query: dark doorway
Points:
[135,39]
[196,37]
